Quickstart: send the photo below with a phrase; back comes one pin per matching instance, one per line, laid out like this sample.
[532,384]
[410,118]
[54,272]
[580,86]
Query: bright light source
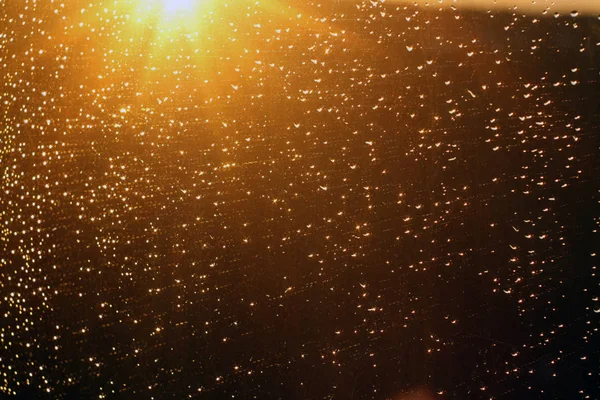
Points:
[178,6]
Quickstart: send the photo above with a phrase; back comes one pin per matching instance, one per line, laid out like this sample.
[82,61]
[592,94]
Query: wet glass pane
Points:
[299,200]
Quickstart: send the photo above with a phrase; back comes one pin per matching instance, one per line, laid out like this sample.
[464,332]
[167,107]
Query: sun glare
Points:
[178,6]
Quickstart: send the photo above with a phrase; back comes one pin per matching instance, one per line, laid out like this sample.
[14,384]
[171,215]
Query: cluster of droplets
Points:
[279,198]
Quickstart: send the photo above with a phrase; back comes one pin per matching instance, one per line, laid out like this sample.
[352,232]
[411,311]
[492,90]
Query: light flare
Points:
[178,6]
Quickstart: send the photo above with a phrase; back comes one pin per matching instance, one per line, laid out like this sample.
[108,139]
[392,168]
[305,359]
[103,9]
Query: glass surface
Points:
[299,200]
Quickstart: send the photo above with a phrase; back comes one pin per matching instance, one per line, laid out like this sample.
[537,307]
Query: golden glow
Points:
[178,6]
[178,13]
[183,44]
